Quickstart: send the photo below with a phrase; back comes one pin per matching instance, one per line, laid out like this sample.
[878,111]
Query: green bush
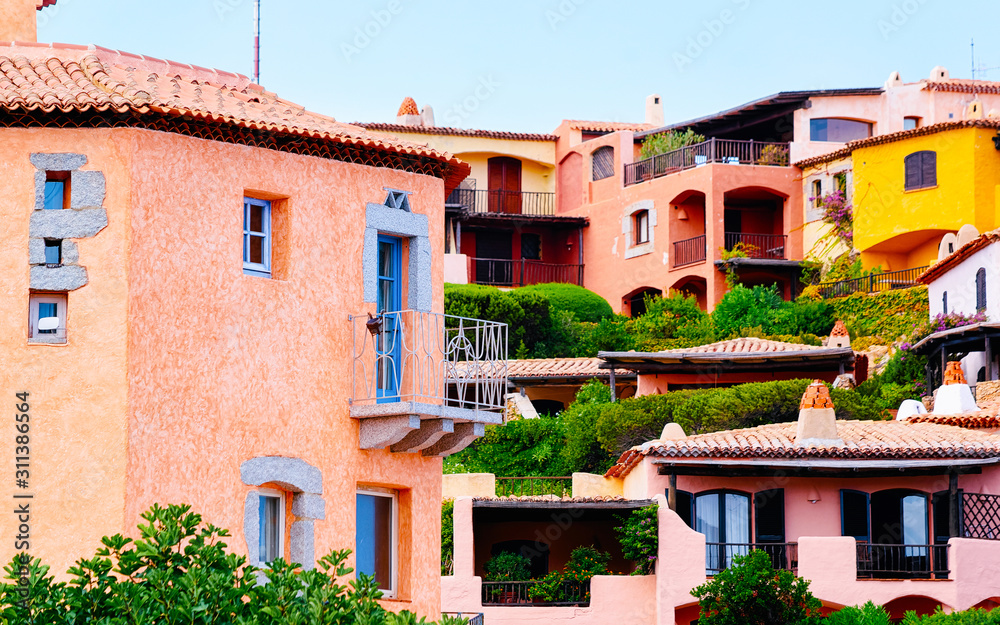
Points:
[448,537]
[179,571]
[583,303]
[667,142]
[868,614]
[521,448]
[973,616]
[507,567]
[580,451]
[638,537]
[672,322]
[742,308]
[751,592]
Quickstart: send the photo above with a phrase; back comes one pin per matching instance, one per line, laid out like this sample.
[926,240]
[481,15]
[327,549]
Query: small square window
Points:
[817,191]
[53,252]
[910,123]
[376,537]
[640,226]
[47,317]
[56,190]
[256,237]
[398,199]
[272,527]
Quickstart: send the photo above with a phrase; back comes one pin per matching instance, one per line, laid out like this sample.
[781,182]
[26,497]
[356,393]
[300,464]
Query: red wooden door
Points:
[504,183]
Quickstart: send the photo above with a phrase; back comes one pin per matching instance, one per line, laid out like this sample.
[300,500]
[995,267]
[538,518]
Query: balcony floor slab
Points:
[426,411]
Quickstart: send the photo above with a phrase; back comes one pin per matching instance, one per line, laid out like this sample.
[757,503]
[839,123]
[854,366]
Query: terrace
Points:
[712,151]
[503,202]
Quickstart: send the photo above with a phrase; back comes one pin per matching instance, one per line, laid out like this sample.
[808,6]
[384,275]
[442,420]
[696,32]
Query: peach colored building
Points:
[900,513]
[188,269]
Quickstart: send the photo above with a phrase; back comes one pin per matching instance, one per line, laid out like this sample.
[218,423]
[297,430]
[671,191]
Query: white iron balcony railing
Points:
[413,364]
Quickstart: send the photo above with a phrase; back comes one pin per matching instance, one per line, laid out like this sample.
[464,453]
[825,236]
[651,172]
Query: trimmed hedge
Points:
[585,304]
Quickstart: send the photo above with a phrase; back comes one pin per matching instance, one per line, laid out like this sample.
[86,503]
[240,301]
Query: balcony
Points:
[519,594]
[521,272]
[874,283]
[427,382]
[902,561]
[689,251]
[718,556]
[758,246]
[726,151]
[532,203]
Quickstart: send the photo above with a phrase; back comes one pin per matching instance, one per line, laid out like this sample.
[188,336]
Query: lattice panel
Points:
[981,516]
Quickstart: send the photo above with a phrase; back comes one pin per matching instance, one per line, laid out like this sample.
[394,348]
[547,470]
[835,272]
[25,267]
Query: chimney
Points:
[672,432]
[17,19]
[654,110]
[955,396]
[408,114]
[817,425]
[839,336]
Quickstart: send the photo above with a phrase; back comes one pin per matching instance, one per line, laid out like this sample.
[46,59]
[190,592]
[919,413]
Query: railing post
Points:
[753,156]
[711,149]
[522,272]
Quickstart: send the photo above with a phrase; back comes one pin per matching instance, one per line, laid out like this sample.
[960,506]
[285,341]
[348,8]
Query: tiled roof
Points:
[839,329]
[892,137]
[863,440]
[457,132]
[743,346]
[41,4]
[560,368]
[973,421]
[964,86]
[588,126]
[75,79]
[408,107]
[941,267]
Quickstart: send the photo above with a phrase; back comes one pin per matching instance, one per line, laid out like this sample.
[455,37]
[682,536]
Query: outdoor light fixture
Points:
[374,324]
[813,496]
[682,214]
[996,141]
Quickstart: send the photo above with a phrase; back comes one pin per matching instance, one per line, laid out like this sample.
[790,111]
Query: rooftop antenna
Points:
[980,68]
[256,42]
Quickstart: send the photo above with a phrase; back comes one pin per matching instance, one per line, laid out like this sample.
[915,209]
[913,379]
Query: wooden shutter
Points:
[981,289]
[912,165]
[603,163]
[685,504]
[854,514]
[769,515]
[928,169]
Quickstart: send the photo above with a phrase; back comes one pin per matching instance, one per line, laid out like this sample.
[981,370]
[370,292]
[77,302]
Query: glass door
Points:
[387,347]
[724,519]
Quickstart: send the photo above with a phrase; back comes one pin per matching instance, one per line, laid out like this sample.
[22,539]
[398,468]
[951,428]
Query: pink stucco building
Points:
[900,513]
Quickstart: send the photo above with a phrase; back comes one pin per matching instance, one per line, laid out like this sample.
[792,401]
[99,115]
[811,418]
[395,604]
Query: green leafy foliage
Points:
[581,451]
[179,571]
[886,314]
[583,303]
[585,562]
[746,310]
[568,585]
[638,537]
[868,614]
[974,616]
[448,537]
[751,592]
[507,567]
[667,142]
[522,447]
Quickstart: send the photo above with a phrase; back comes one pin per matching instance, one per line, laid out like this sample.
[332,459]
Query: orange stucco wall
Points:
[179,367]
[78,393]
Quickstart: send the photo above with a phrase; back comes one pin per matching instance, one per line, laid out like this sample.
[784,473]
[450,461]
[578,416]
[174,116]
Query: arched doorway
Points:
[634,302]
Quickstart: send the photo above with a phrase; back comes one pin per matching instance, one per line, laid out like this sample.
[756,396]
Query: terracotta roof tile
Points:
[816,396]
[939,268]
[576,124]
[964,86]
[953,373]
[863,440]
[458,132]
[560,368]
[41,4]
[973,421]
[839,329]
[743,346]
[408,107]
[57,78]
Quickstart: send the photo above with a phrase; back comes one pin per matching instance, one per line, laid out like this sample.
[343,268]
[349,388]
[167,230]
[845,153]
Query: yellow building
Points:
[909,189]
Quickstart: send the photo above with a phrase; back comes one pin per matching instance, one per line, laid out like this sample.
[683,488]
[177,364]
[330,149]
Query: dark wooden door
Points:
[504,183]
[494,263]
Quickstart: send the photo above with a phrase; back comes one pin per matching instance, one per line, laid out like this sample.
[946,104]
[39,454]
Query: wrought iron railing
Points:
[727,151]
[537,203]
[767,246]
[902,561]
[471,618]
[518,594]
[429,357]
[521,272]
[533,486]
[980,516]
[902,279]
[719,556]
[689,251]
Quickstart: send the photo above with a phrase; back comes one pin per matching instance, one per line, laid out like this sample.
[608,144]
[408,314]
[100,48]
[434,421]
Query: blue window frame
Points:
[256,237]
[56,190]
[272,527]
[390,301]
[375,538]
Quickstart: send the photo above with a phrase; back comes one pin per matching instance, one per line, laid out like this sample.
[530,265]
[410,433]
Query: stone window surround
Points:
[381,219]
[631,249]
[305,482]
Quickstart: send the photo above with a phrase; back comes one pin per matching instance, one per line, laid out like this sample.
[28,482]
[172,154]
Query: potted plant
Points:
[506,567]
[773,155]
[549,589]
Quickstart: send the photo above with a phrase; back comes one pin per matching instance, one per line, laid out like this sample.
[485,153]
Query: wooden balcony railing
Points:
[719,556]
[520,272]
[902,279]
[902,561]
[534,486]
[516,594]
[766,246]
[537,203]
[689,251]
[727,151]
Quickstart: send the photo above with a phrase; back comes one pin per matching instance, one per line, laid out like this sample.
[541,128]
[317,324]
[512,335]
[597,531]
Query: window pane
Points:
[256,250]
[256,218]
[839,130]
[53,252]
[270,528]
[737,518]
[46,310]
[707,516]
[909,123]
[374,538]
[914,520]
[385,295]
[54,191]
[386,268]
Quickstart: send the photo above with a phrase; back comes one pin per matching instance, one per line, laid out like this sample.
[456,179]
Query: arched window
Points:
[603,160]
[981,289]
[839,130]
[921,170]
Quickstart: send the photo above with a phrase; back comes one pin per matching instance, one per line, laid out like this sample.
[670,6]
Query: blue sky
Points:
[524,66]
